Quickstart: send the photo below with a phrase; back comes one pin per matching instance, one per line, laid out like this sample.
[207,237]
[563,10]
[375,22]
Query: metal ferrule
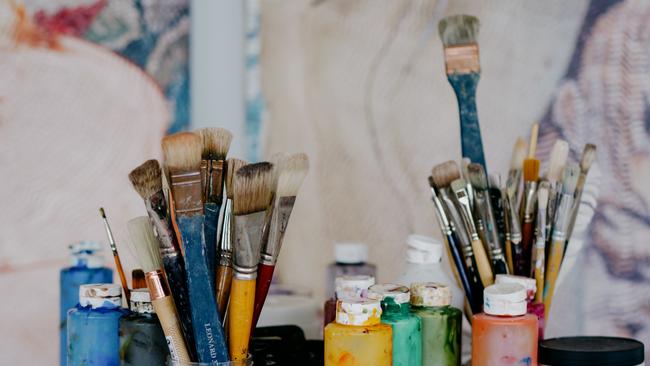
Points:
[443,221]
[530,199]
[514,227]
[205,168]
[226,243]
[456,222]
[466,212]
[157,209]
[562,215]
[282,208]
[157,284]
[554,195]
[214,192]
[541,228]
[186,188]
[462,59]
[484,208]
[471,195]
[248,242]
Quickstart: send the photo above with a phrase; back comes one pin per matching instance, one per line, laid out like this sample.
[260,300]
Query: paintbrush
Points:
[496,200]
[224,269]
[464,168]
[458,34]
[539,254]
[147,252]
[484,217]
[137,279]
[116,257]
[586,160]
[559,155]
[253,195]
[462,203]
[456,255]
[182,153]
[559,237]
[147,180]
[521,258]
[513,229]
[290,178]
[216,142]
[514,174]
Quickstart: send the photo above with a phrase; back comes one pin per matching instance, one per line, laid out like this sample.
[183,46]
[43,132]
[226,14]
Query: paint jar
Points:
[86,267]
[591,351]
[142,341]
[351,286]
[530,285]
[93,326]
[407,331]
[357,337]
[441,324]
[504,334]
[350,260]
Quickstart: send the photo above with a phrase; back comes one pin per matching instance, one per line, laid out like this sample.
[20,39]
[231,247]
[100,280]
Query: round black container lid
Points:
[591,351]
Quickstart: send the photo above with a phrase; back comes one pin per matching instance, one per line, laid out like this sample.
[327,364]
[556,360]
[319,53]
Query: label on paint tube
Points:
[172,350]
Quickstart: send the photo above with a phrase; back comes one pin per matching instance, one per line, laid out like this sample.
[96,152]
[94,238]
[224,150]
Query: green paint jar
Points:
[441,324]
[407,332]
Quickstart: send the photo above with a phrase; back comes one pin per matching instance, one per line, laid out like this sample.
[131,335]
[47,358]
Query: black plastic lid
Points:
[591,351]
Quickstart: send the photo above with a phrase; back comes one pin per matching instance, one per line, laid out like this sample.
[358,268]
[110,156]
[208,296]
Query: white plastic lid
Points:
[358,312]
[505,299]
[141,301]
[353,286]
[423,249]
[400,294]
[430,294]
[105,295]
[529,283]
[350,253]
[85,253]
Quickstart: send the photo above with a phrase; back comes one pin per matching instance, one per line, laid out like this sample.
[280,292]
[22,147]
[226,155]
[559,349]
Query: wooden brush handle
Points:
[263,283]
[461,273]
[483,263]
[210,231]
[171,326]
[222,284]
[120,272]
[552,271]
[175,273]
[521,258]
[509,259]
[240,317]
[539,274]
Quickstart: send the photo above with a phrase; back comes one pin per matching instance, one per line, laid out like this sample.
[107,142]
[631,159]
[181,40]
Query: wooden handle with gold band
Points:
[166,311]
[483,263]
[240,317]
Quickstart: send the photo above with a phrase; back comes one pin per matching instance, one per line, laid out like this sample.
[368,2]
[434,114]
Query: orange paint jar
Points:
[357,338]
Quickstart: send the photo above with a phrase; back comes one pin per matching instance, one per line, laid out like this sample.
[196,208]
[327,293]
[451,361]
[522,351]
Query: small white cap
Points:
[505,299]
[423,249]
[400,294]
[358,312]
[85,253]
[350,253]
[430,294]
[106,295]
[353,286]
[141,301]
[529,283]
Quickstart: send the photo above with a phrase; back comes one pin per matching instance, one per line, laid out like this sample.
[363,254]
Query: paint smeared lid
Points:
[106,295]
[86,254]
[430,294]
[358,312]
[353,286]
[400,294]
[423,249]
[505,299]
[529,283]
[141,301]
[350,253]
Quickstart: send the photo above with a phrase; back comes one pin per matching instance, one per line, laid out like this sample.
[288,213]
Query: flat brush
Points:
[458,34]
[224,270]
[252,199]
[147,180]
[522,257]
[559,155]
[216,142]
[484,217]
[496,200]
[540,242]
[514,173]
[513,230]
[182,153]
[464,168]
[586,160]
[116,257]
[147,253]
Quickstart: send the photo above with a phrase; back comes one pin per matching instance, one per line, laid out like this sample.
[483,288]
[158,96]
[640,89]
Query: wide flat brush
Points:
[496,200]
[290,178]
[540,241]
[147,252]
[522,257]
[559,156]
[147,181]
[116,257]
[183,158]
[586,160]
[251,203]
[458,34]
[514,173]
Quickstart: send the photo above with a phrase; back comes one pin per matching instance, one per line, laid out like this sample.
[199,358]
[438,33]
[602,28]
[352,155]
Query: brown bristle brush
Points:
[521,255]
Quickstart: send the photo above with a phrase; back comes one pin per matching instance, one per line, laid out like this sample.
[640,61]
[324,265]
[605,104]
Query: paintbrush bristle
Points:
[458,29]
[232,166]
[464,163]
[252,186]
[571,174]
[542,195]
[459,185]
[294,171]
[518,154]
[531,170]
[144,243]
[182,151]
[477,177]
[532,144]
[494,180]
[559,156]
[147,178]
[216,142]
[588,157]
[445,173]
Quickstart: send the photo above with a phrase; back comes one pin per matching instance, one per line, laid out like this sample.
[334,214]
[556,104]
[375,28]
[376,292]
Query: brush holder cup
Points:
[247,362]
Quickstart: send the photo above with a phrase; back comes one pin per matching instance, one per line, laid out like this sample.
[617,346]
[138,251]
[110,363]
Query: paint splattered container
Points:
[441,324]
[531,307]
[349,286]
[504,334]
[142,341]
[591,351]
[357,337]
[407,330]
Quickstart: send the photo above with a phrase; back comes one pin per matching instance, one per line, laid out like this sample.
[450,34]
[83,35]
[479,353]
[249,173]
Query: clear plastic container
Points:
[350,259]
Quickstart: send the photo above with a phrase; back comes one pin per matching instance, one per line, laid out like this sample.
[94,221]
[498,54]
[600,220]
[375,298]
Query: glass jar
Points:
[142,341]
